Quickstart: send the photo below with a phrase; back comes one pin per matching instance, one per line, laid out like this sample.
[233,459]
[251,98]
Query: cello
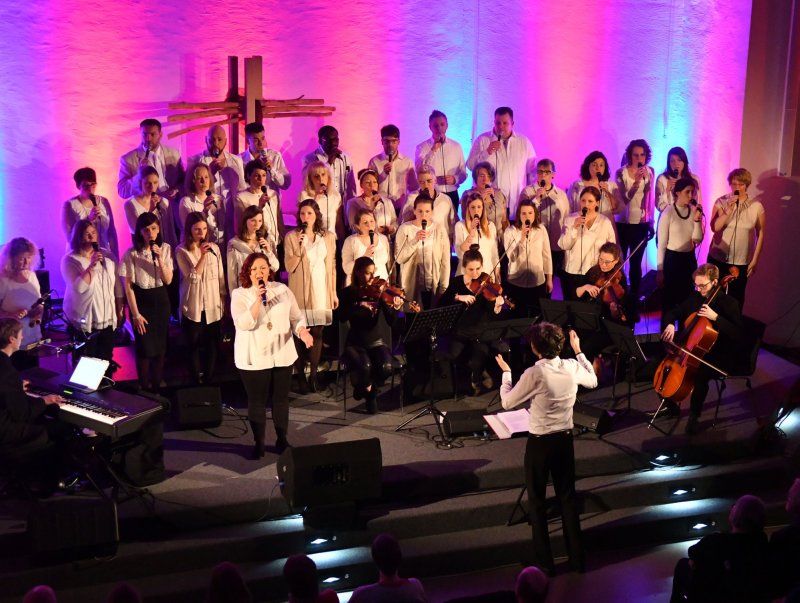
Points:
[675,375]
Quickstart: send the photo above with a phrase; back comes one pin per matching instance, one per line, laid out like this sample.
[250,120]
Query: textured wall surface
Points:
[80,74]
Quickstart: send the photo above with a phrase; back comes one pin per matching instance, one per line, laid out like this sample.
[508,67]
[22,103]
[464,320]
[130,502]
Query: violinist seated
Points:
[482,301]
[371,310]
[709,301]
[605,284]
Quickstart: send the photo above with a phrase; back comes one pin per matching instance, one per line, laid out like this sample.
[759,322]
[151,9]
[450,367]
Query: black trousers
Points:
[553,455]
[368,366]
[630,235]
[100,343]
[678,283]
[202,339]
[268,384]
[454,198]
[736,288]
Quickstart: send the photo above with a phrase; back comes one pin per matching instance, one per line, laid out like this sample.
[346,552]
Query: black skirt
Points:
[153,304]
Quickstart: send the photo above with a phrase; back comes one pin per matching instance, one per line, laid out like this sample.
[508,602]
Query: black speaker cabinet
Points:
[68,528]
[199,407]
[331,473]
[591,418]
[465,422]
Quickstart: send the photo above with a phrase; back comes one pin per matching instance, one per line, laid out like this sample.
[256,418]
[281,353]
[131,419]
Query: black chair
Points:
[745,360]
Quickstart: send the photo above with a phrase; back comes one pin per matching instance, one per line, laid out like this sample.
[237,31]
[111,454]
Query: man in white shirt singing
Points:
[511,154]
[278,177]
[166,160]
[445,155]
[551,386]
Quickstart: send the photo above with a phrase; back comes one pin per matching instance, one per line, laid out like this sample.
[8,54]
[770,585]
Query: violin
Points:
[483,285]
[612,292]
[379,289]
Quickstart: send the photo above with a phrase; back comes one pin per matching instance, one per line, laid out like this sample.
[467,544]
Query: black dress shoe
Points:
[258,451]
[281,444]
[372,402]
[692,424]
[302,384]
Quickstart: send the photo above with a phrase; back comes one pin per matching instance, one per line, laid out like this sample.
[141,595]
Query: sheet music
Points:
[507,424]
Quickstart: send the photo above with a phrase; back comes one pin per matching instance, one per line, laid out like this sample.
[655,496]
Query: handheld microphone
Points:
[584,211]
[424,224]
[263,190]
[673,173]
[303,226]
[146,152]
[491,195]
[737,197]
[527,225]
[96,248]
[371,237]
[153,252]
[263,295]
[94,200]
[208,195]
[696,206]
[499,137]
[542,183]
[215,152]
[153,195]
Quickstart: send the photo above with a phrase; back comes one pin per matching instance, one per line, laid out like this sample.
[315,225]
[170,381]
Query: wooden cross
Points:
[251,107]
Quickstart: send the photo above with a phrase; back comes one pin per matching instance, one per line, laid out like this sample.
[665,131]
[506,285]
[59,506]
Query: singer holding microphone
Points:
[677,168]
[93,295]
[146,271]
[21,297]
[265,198]
[201,198]
[86,205]
[443,213]
[317,186]
[583,235]
[680,232]
[266,315]
[444,153]
[494,200]
[475,230]
[311,263]
[738,223]
[595,172]
[251,237]
[530,264]
[395,172]
[202,296]
[367,243]
[372,200]
[149,200]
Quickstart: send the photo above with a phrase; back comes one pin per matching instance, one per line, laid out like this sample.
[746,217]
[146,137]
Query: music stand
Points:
[628,347]
[430,324]
[496,330]
[571,314]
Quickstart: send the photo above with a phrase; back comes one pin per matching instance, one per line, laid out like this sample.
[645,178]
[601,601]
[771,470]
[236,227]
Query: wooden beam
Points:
[293,101]
[182,117]
[271,115]
[252,88]
[181,106]
[233,94]
[176,133]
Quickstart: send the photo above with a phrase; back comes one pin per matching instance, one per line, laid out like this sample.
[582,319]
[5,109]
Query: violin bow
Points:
[647,239]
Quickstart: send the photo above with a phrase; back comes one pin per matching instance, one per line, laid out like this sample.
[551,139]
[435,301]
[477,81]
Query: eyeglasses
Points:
[606,262]
[544,172]
[700,286]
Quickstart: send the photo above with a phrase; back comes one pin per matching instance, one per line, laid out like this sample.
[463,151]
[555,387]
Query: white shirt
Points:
[270,212]
[737,249]
[215,216]
[582,245]
[443,213]
[447,161]
[486,245]
[551,386]
[553,210]
[15,296]
[664,197]
[604,207]
[512,163]
[256,346]
[139,268]
[74,210]
[635,207]
[133,209]
[201,292]
[383,211]
[344,178]
[226,181]
[678,233]
[90,306]
[238,250]
[529,259]
[401,180]
[277,177]
[353,248]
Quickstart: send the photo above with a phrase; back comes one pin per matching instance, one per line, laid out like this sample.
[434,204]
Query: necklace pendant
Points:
[269,325]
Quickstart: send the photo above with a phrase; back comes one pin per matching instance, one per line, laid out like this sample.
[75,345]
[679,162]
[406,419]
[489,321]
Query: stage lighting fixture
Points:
[319,541]
[681,491]
[332,579]
[701,525]
[663,459]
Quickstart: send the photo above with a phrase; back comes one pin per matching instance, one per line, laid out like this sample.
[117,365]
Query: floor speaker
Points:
[465,423]
[591,418]
[70,528]
[199,407]
[331,473]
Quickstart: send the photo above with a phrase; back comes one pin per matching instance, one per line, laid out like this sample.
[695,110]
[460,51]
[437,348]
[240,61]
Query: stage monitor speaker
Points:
[591,418]
[199,407]
[331,473]
[465,423]
[71,528]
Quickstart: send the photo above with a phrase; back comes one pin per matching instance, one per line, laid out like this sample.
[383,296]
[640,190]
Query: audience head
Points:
[85,177]
[150,130]
[254,267]
[386,554]
[637,151]
[527,210]
[40,594]
[252,220]
[147,229]
[195,229]
[503,121]
[361,274]
[17,256]
[148,180]
[124,593]
[748,515]
[677,163]
[9,327]
[793,500]
[328,139]
[595,163]
[740,176]
[256,138]
[300,573]
[83,232]
[437,123]
[483,175]
[531,585]
[227,585]
[547,339]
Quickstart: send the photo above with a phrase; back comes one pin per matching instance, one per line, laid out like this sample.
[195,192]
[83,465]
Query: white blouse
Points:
[202,292]
[354,248]
[318,313]
[639,207]
[604,207]
[90,306]
[133,209]
[553,210]
[736,243]
[15,296]
[486,245]
[582,245]
[141,270]
[384,212]
[257,346]
[678,232]
[270,212]
[664,197]
[329,206]
[238,250]
[74,210]
[443,212]
[529,259]
[215,217]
